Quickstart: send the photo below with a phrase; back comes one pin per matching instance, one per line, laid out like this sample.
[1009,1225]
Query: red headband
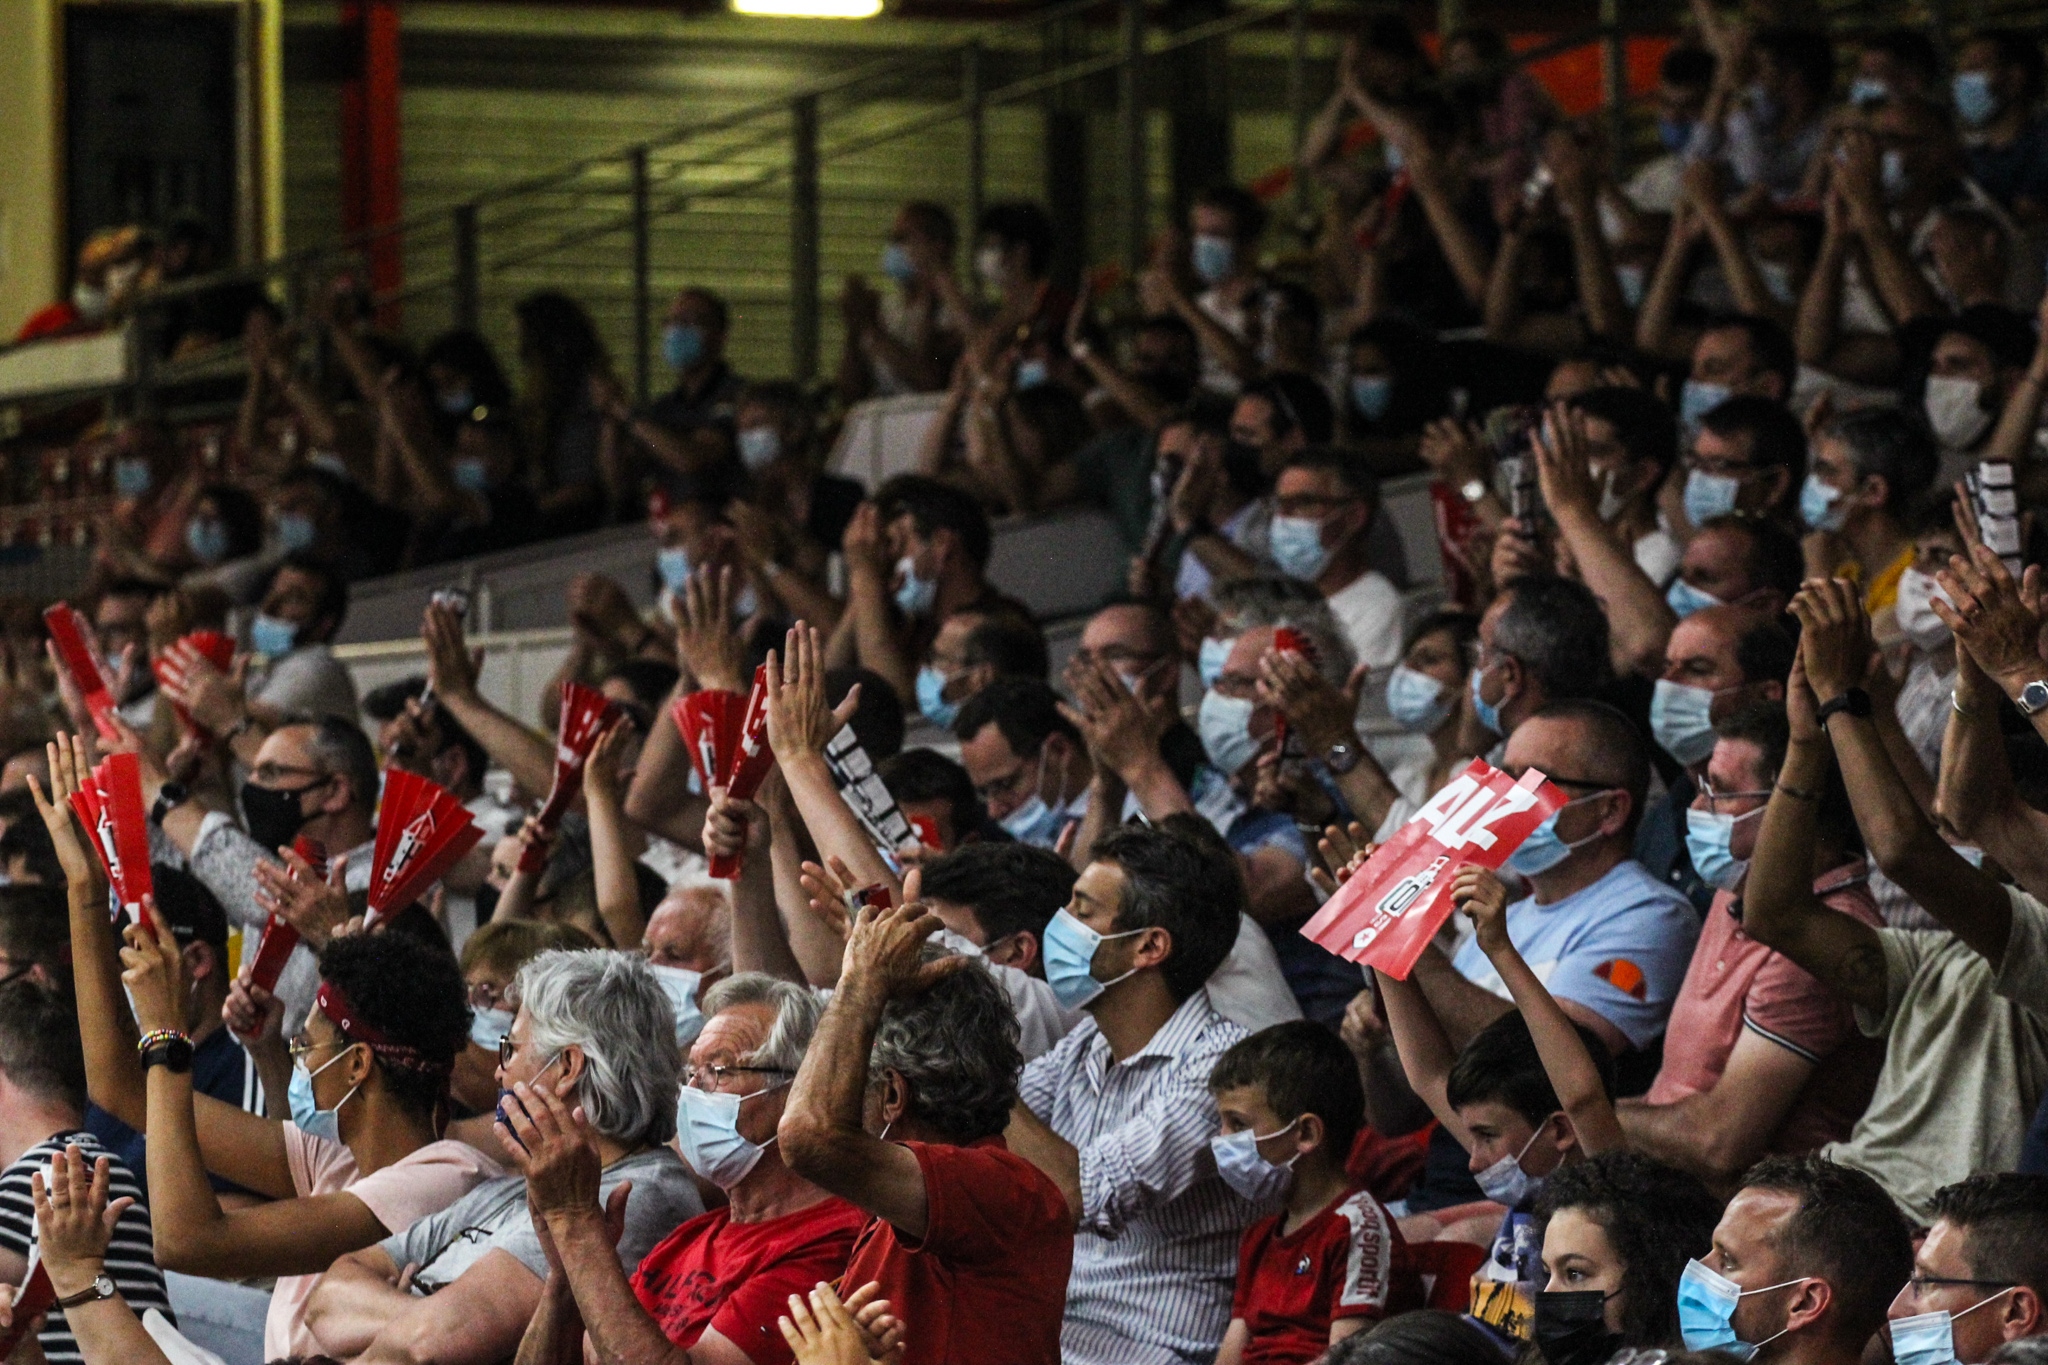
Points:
[333,1002]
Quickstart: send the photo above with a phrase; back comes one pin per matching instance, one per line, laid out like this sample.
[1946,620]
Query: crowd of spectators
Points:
[1742,1054]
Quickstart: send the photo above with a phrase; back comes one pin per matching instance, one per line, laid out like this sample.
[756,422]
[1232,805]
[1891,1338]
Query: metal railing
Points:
[787,141]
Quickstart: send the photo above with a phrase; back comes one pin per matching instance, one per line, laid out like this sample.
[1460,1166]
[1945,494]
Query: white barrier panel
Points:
[881,437]
[64,365]
[517,664]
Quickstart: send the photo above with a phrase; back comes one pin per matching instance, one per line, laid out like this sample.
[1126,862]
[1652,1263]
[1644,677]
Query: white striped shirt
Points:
[1155,1254]
[131,1255]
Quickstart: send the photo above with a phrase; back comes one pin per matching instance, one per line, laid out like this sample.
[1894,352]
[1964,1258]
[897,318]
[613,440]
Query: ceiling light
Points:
[809,9]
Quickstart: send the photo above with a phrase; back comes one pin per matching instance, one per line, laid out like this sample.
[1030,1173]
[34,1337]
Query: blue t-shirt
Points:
[1619,947]
[1322,982]
[220,1068]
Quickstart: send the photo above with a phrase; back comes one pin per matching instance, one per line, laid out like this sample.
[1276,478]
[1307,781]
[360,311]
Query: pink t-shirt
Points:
[423,1182]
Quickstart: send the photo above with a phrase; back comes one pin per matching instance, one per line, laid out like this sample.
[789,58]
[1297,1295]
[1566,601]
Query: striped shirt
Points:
[1155,1254]
[131,1256]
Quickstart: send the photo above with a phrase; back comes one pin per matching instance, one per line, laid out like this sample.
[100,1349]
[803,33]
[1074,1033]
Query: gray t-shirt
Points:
[494,1217]
[1965,1063]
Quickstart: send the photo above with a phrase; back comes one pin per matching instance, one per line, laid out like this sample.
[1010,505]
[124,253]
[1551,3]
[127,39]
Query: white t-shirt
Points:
[1657,555]
[1368,610]
[1249,989]
[423,1181]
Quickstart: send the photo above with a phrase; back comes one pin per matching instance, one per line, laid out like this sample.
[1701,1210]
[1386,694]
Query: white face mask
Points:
[1914,610]
[988,263]
[1955,411]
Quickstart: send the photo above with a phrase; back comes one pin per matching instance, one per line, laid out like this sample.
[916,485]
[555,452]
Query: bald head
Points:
[1587,742]
[691,928]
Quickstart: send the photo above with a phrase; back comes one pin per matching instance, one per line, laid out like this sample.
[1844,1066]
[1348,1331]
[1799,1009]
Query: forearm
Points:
[803,599]
[555,1335]
[620,1330]
[516,900]
[1425,1050]
[2013,439]
[1566,1062]
[1903,289]
[938,435]
[1461,249]
[1105,811]
[759,942]
[1737,267]
[190,1225]
[834,827]
[1222,558]
[659,798]
[1599,291]
[611,858]
[1031,1138]
[529,758]
[1679,1134]
[1660,301]
[1976,776]
[109,1331]
[1217,339]
[817,949]
[1135,399]
[352,1303]
[1820,304]
[1159,792]
[1503,306]
[1898,834]
[1461,1008]
[823,1138]
[112,1070]
[874,641]
[1639,616]
[1392,1107]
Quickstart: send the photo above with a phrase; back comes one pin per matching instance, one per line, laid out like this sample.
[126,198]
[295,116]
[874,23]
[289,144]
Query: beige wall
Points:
[30,228]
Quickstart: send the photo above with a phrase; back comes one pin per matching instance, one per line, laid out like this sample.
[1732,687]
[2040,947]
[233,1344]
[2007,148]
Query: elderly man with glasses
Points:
[712,1290]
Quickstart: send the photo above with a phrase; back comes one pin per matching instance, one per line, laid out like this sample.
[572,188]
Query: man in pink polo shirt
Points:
[1759,1057]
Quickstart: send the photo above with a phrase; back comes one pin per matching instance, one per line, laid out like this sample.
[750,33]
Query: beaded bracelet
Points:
[159,1035]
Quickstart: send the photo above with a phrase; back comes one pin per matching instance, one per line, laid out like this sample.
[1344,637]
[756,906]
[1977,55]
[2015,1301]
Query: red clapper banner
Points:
[728,740]
[585,712]
[1390,909]
[279,937]
[422,831]
[216,648]
[73,636]
[36,1297]
[108,803]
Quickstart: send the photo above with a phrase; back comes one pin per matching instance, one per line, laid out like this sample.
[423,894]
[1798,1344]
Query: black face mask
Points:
[275,817]
[1571,1328]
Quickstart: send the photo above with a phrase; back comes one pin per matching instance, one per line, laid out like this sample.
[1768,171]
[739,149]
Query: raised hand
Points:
[1477,892]
[68,762]
[827,888]
[884,951]
[799,721]
[216,700]
[706,642]
[1834,641]
[733,826]
[1122,731]
[451,669]
[74,1218]
[552,1144]
[820,1330]
[252,1014]
[295,893]
[601,769]
[1323,713]
[154,973]
[1997,620]
[1363,1031]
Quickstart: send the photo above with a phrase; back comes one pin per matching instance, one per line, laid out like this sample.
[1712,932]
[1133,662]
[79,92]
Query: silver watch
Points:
[2033,698]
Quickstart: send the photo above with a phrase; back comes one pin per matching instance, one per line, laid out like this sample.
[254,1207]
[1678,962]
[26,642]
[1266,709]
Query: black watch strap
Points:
[168,798]
[1855,702]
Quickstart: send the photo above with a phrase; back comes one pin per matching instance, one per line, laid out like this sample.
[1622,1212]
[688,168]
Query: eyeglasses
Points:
[1920,1284]
[270,774]
[301,1045]
[484,996]
[720,1076]
[1740,469]
[1308,504]
[1714,798]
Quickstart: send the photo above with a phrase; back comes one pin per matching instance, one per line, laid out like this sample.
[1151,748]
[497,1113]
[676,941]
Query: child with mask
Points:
[1331,1262]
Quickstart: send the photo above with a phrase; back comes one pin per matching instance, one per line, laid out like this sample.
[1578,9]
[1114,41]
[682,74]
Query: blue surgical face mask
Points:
[1698,398]
[456,402]
[295,533]
[672,562]
[1505,1182]
[1210,659]
[1681,720]
[1706,1309]
[680,985]
[682,345]
[1297,548]
[207,540]
[1031,372]
[132,478]
[1225,724]
[1543,850]
[1250,1174]
[1214,257]
[1709,495]
[268,635]
[1709,842]
[1034,823]
[1891,174]
[931,698]
[896,263]
[1419,702]
[1683,598]
[486,1027]
[1821,505]
[1976,105]
[1069,955]
[760,447]
[1865,91]
[1673,134]
[470,474]
[307,1114]
[915,596]
[1633,280]
[1487,712]
[1372,394]
[708,1131]
[1929,1338]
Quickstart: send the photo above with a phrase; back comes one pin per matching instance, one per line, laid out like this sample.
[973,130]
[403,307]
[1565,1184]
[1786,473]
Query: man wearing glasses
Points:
[1759,1056]
[1980,1276]
[1323,510]
[1609,940]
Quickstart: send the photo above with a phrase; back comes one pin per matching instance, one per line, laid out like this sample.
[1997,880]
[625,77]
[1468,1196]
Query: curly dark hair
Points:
[1656,1218]
[412,992]
[955,1045]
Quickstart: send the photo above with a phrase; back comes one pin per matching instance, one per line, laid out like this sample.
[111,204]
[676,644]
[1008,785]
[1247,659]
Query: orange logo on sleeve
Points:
[1624,976]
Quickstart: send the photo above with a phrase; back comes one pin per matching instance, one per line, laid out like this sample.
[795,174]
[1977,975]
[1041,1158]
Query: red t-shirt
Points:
[987,1285]
[712,1274]
[1349,1261]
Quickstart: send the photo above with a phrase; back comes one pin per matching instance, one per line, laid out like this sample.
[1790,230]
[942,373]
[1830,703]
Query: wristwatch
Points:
[171,1051]
[1341,757]
[1856,702]
[102,1287]
[1472,490]
[169,797]
[2033,698]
